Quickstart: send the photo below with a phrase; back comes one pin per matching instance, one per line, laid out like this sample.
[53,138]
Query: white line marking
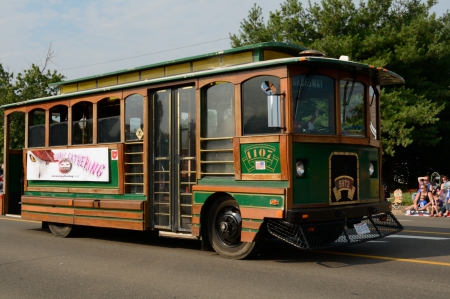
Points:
[416,237]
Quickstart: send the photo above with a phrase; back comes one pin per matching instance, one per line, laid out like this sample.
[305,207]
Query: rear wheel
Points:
[224,230]
[61,230]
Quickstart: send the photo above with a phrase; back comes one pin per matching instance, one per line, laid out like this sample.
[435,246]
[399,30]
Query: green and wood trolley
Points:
[229,147]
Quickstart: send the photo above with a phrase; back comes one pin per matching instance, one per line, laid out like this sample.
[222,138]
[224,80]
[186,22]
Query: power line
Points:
[183,47]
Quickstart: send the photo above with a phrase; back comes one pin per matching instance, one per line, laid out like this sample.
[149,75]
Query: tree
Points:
[400,35]
[30,84]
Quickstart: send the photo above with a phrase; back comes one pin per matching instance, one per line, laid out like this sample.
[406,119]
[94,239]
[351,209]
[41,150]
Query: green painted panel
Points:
[260,158]
[314,187]
[245,200]
[232,182]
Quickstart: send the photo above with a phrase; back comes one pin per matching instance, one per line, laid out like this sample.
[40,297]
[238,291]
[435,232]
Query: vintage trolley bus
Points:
[264,140]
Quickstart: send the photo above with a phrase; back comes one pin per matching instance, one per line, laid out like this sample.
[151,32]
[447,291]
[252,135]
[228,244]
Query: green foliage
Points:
[29,84]
[400,35]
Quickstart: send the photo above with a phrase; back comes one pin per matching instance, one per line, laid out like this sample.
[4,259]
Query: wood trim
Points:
[196,209]
[248,236]
[47,217]
[140,90]
[195,220]
[238,77]
[258,139]
[51,201]
[260,213]
[69,125]
[83,203]
[93,191]
[123,224]
[95,98]
[47,106]
[286,108]
[2,211]
[239,189]
[112,214]
[284,157]
[47,209]
[261,177]
[195,231]
[122,120]
[375,143]
[146,144]
[122,205]
[47,128]
[94,123]
[26,131]
[198,133]
[237,110]
[121,168]
[237,159]
[24,163]
[22,109]
[251,224]
[334,139]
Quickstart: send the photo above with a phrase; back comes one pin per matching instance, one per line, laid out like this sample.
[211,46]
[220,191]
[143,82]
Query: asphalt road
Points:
[104,263]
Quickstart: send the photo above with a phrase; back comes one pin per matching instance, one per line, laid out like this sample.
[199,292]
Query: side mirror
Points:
[273,104]
[274,110]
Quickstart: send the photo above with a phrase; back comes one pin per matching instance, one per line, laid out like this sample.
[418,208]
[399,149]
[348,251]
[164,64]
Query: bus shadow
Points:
[372,252]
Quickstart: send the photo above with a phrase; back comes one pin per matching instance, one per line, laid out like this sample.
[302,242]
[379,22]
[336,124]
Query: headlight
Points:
[371,169]
[300,167]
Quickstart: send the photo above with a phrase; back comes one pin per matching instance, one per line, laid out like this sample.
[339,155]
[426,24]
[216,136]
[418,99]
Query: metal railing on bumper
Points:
[335,233]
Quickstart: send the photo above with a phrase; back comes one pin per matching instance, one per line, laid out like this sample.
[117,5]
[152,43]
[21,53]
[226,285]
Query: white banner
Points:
[80,164]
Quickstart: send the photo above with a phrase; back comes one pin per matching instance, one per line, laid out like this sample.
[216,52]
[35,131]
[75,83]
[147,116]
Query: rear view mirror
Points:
[274,110]
[273,104]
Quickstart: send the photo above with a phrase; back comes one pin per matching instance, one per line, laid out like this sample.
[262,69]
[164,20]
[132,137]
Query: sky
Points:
[91,37]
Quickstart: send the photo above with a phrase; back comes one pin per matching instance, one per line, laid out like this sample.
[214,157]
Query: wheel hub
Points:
[229,226]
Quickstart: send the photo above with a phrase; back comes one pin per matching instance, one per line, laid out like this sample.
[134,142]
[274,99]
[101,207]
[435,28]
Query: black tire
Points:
[224,230]
[61,230]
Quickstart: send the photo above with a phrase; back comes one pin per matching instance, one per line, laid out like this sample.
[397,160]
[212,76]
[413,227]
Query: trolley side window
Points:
[36,128]
[58,125]
[109,120]
[313,104]
[82,123]
[217,129]
[352,108]
[254,104]
[134,117]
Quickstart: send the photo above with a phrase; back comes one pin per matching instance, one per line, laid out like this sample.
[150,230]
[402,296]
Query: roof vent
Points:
[312,53]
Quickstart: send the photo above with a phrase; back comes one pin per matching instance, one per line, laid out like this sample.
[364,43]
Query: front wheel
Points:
[224,231]
[61,230]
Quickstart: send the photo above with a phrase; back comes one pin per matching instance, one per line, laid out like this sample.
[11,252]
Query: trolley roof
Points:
[237,59]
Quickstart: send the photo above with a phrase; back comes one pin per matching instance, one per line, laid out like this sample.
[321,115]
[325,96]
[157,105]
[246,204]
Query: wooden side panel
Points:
[255,213]
[251,224]
[122,205]
[195,220]
[195,231]
[47,201]
[248,236]
[196,209]
[47,209]
[112,214]
[111,223]
[47,217]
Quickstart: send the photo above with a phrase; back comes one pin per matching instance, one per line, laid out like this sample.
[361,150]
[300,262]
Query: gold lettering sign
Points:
[341,183]
[260,157]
